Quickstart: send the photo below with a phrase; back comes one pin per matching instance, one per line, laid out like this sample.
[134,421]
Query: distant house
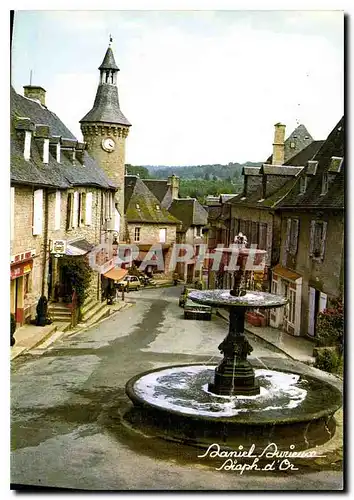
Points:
[310,271]
[57,207]
[148,222]
[194,219]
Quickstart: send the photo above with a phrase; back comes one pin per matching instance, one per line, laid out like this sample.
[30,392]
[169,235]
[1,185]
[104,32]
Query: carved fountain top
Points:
[251,299]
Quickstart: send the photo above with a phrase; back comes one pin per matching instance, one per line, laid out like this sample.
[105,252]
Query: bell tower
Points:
[105,130]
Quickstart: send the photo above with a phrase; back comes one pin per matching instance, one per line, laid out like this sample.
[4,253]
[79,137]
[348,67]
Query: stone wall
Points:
[324,275]
[113,163]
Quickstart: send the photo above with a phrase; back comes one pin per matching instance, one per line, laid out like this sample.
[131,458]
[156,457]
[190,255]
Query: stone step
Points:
[88,304]
[96,308]
[60,316]
[58,306]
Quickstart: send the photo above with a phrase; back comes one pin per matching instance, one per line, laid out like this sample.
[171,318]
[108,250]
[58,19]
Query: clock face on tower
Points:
[108,144]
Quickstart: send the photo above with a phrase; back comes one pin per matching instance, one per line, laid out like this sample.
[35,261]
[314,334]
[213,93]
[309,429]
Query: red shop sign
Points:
[20,269]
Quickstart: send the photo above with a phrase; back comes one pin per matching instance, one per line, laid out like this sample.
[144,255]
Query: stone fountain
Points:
[238,402]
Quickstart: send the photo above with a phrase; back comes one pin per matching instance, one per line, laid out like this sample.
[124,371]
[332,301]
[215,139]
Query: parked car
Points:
[183,296]
[129,283]
[192,310]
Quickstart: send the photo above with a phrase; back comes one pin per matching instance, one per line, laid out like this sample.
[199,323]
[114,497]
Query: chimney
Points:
[54,147]
[25,128]
[278,144]
[173,182]
[42,134]
[35,93]
[80,151]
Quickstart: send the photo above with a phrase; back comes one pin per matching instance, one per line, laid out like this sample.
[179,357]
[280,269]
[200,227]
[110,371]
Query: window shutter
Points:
[295,236]
[323,302]
[69,211]
[288,230]
[76,209]
[88,210]
[12,214]
[323,241]
[312,237]
[57,210]
[262,239]
[38,212]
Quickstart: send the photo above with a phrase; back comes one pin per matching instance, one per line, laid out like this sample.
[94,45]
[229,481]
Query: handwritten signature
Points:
[271,451]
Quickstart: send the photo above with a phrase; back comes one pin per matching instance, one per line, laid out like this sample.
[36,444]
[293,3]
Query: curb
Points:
[68,333]
[87,327]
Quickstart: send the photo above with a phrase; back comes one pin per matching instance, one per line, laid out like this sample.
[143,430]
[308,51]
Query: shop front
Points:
[20,286]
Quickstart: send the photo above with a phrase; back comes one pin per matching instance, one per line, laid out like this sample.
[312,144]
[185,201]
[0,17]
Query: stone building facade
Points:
[310,270]
[61,202]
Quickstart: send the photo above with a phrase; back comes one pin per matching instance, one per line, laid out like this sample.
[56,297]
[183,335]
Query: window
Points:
[27,283]
[75,218]
[198,231]
[318,232]
[157,207]
[291,305]
[303,184]
[82,208]
[292,145]
[292,233]
[69,211]
[38,212]
[163,235]
[324,184]
[137,206]
[137,234]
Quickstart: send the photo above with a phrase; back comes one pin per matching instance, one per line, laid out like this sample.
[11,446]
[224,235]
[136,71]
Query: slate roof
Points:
[300,138]
[305,154]
[108,61]
[140,204]
[189,211]
[158,187]
[106,106]
[280,183]
[54,174]
[312,198]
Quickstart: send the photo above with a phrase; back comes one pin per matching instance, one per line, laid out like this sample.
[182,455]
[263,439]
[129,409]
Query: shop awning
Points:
[286,273]
[116,274]
[78,247]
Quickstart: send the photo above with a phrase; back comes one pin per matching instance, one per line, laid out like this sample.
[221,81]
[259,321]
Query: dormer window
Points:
[303,184]
[157,207]
[292,145]
[137,206]
[336,164]
[324,184]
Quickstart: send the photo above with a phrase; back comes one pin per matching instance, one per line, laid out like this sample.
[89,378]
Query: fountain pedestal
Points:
[235,374]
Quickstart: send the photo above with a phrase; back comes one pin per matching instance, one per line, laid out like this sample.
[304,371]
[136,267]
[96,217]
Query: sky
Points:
[198,87]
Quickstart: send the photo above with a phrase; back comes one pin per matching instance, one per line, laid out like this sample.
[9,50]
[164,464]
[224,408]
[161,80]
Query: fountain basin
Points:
[291,409]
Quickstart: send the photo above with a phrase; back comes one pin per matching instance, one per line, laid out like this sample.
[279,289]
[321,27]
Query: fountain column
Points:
[235,374]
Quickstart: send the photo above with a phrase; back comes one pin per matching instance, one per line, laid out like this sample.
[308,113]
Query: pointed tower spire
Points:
[106,106]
